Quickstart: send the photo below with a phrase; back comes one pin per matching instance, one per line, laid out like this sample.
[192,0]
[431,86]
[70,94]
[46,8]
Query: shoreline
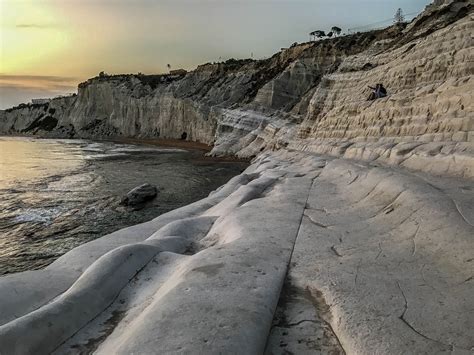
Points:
[334,218]
[43,211]
[346,230]
[157,142]
[178,143]
[160,142]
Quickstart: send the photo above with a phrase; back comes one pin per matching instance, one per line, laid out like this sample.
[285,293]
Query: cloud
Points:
[53,78]
[15,89]
[38,82]
[46,87]
[36,26]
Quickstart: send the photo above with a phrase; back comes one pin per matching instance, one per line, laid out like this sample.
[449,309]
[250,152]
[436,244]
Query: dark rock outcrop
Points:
[139,195]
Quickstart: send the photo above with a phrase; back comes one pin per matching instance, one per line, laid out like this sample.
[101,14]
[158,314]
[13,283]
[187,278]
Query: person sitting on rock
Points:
[378,92]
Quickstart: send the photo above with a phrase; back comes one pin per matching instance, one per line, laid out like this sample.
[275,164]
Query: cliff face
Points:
[309,97]
[301,251]
[428,113]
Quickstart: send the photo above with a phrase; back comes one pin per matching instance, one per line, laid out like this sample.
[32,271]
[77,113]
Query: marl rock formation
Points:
[350,232]
[310,97]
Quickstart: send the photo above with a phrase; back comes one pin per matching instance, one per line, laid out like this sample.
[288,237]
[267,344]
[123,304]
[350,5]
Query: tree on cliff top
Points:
[336,30]
[399,17]
[317,34]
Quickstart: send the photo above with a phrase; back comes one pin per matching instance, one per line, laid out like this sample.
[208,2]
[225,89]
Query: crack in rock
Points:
[315,222]
[414,240]
[357,273]
[380,251]
[402,318]
[333,248]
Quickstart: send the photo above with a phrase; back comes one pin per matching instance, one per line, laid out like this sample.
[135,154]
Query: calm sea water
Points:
[58,194]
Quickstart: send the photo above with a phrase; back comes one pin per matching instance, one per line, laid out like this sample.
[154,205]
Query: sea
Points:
[56,194]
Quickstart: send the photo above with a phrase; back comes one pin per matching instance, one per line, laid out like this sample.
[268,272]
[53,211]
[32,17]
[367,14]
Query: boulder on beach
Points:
[139,195]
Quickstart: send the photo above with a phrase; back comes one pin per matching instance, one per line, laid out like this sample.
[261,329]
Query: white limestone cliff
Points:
[310,97]
[350,232]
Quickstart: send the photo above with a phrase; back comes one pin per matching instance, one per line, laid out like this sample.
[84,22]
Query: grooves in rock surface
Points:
[351,232]
[310,97]
[374,258]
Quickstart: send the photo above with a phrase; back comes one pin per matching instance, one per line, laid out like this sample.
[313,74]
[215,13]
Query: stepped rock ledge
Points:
[352,231]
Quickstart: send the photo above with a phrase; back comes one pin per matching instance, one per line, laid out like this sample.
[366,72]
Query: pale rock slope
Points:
[309,97]
[426,122]
[371,260]
[352,231]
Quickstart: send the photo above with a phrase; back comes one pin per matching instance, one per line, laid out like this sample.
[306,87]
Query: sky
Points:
[48,46]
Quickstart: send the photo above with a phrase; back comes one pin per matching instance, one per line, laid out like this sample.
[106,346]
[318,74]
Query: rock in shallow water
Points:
[139,195]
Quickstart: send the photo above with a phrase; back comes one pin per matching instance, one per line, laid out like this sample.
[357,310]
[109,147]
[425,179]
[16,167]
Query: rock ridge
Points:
[349,233]
[355,258]
[309,96]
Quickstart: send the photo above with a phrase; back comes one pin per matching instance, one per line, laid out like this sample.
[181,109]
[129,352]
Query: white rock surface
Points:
[384,256]
[311,97]
[355,236]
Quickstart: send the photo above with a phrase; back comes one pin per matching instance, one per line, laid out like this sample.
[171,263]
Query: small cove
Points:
[57,194]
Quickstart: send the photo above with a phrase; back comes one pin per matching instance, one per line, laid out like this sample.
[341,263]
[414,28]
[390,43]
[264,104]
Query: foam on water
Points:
[57,194]
[39,215]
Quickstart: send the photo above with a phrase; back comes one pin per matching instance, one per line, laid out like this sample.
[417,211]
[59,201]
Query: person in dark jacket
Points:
[378,92]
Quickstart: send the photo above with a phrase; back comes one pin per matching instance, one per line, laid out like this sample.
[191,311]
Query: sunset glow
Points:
[73,40]
[31,36]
